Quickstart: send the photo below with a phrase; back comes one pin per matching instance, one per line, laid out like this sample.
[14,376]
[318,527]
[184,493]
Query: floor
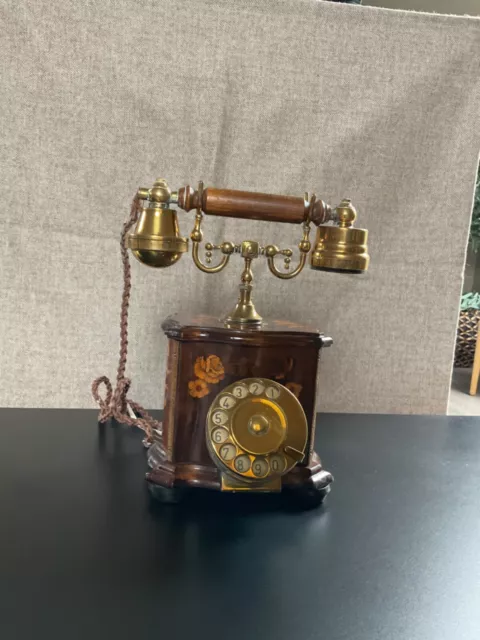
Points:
[461,402]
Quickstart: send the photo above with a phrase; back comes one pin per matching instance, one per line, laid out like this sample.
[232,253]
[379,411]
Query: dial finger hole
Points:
[278,463]
[227,402]
[228,452]
[256,388]
[220,417]
[242,463]
[240,391]
[259,467]
[220,435]
[272,392]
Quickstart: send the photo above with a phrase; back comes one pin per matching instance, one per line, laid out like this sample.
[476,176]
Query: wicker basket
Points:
[466,337]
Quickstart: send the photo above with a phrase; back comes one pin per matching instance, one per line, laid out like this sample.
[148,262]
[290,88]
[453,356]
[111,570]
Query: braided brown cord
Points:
[115,404]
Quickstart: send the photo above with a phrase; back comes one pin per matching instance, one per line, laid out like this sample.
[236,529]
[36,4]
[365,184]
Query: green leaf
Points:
[470,301]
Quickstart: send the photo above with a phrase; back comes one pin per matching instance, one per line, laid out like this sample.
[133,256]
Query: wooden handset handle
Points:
[253,206]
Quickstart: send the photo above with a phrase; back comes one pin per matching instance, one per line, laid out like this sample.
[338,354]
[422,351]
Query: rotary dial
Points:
[256,429]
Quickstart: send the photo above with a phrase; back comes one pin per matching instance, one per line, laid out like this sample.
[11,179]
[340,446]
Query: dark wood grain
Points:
[272,332]
[252,205]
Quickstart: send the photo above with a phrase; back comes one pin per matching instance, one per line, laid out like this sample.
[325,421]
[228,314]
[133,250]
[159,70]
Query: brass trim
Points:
[196,236]
[157,243]
[229,484]
[304,247]
[244,312]
[199,264]
[160,192]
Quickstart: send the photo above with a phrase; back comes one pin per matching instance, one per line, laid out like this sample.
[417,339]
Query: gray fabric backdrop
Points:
[99,98]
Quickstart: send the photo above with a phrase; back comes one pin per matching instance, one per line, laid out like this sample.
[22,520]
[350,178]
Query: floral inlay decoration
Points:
[208,371]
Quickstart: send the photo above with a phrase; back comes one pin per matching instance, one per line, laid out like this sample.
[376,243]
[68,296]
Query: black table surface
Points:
[393,554]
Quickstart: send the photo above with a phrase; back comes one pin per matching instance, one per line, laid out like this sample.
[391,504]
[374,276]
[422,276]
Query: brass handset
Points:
[156,239]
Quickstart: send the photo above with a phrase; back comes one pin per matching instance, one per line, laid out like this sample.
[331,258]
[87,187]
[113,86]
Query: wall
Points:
[458,7]
[278,96]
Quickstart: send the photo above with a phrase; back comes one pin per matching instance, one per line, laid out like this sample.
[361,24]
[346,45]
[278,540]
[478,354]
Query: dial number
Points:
[220,417]
[228,452]
[227,402]
[277,463]
[242,463]
[220,435]
[256,388]
[240,391]
[260,467]
[272,393]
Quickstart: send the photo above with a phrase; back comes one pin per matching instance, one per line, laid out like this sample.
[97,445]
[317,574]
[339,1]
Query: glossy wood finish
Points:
[253,206]
[281,351]
[272,332]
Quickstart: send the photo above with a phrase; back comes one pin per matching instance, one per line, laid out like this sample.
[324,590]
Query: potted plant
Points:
[470,302]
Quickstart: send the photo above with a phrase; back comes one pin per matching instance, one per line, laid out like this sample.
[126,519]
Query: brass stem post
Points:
[245,312]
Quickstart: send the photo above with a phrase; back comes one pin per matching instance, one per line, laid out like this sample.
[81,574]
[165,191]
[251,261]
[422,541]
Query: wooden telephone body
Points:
[285,353]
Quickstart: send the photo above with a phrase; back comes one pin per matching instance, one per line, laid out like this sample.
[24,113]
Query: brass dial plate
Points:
[256,430]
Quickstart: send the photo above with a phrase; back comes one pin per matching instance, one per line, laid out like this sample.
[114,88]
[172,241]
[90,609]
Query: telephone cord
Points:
[115,405]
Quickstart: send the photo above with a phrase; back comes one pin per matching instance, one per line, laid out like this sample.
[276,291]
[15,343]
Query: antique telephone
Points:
[240,392]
